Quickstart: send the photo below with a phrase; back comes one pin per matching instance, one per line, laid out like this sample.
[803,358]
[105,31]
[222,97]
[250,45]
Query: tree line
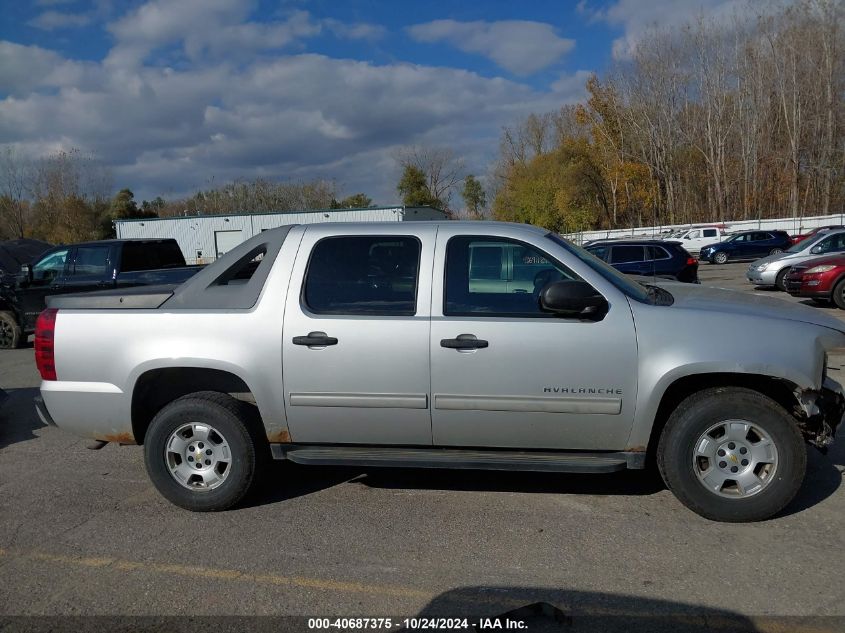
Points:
[718,122]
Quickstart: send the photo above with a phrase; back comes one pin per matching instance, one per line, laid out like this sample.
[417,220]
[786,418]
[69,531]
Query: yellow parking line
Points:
[217,574]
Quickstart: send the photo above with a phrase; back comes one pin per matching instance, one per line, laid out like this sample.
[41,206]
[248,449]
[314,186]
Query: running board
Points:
[453,458]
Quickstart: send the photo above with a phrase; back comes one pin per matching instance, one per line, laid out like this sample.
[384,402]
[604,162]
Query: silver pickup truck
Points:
[468,345]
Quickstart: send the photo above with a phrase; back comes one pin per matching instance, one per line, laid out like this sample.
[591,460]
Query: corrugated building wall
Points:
[203,238]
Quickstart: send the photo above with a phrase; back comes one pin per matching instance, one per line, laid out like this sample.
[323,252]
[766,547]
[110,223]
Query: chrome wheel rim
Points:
[198,457]
[721,258]
[735,459]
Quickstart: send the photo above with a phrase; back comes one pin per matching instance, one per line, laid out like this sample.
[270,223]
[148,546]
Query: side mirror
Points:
[24,276]
[816,250]
[574,299]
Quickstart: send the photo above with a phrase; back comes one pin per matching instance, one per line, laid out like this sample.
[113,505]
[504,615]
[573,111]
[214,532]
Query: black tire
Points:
[720,258]
[838,294]
[10,331]
[691,420]
[235,421]
[780,279]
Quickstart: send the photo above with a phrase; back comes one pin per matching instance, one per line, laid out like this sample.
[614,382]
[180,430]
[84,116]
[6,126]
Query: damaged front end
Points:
[820,412]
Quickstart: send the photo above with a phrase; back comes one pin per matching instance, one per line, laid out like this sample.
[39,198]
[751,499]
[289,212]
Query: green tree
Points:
[151,208]
[123,205]
[355,201]
[413,187]
[562,191]
[474,197]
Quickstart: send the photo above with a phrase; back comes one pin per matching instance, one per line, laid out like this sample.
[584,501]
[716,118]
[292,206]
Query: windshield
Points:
[624,283]
[806,242]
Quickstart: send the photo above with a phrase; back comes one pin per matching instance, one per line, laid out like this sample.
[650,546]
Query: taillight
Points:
[45,333]
[691,261]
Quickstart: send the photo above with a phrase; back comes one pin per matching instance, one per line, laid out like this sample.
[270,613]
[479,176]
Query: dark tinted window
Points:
[709,232]
[759,237]
[363,275]
[656,252]
[524,272]
[91,261]
[625,254]
[151,255]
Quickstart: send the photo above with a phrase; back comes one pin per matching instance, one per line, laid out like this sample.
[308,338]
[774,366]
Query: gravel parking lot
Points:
[84,532]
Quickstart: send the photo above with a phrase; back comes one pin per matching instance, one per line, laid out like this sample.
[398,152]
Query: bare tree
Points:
[443,169]
[15,173]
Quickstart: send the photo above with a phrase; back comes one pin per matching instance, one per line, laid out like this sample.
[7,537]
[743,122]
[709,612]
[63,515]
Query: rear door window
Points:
[626,254]
[363,275]
[709,232]
[90,261]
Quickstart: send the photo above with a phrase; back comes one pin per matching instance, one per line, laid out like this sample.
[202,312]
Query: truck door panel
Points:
[355,350]
[505,375]
[89,269]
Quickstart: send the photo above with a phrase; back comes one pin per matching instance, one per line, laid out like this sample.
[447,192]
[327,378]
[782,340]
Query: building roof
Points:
[246,214]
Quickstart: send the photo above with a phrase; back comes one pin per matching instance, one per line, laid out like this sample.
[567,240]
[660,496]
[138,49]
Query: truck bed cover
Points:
[138,297]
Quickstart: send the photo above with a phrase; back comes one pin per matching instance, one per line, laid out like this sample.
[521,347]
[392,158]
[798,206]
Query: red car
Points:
[804,236]
[822,280]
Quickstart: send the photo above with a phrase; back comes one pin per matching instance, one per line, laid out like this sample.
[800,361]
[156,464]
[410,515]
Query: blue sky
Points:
[174,95]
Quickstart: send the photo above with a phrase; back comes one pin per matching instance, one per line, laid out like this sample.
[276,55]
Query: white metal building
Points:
[203,238]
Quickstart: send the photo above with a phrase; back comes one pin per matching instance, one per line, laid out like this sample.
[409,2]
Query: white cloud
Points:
[169,129]
[637,18]
[52,20]
[217,28]
[519,46]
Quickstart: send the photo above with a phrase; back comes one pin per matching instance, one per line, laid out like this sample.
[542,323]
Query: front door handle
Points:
[464,341]
[315,339]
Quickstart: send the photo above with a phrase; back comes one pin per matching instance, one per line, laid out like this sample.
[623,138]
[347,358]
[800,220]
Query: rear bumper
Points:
[93,410]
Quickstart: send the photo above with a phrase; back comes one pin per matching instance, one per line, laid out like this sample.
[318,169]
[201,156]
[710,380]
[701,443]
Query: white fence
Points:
[793,226]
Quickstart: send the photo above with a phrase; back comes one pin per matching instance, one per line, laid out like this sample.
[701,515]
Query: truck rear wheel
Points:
[202,453]
[732,454]
[10,331]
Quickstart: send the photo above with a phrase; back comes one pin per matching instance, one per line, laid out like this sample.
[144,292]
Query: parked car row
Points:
[652,258]
[813,267]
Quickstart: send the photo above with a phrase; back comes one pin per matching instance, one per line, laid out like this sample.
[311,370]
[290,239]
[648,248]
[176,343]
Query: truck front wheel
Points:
[732,454]
[201,451]
[10,331]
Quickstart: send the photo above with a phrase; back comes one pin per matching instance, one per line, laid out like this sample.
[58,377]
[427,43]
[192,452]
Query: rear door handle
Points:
[315,339]
[464,341]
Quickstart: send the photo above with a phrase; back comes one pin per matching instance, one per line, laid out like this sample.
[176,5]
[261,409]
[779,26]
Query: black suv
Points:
[651,258]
